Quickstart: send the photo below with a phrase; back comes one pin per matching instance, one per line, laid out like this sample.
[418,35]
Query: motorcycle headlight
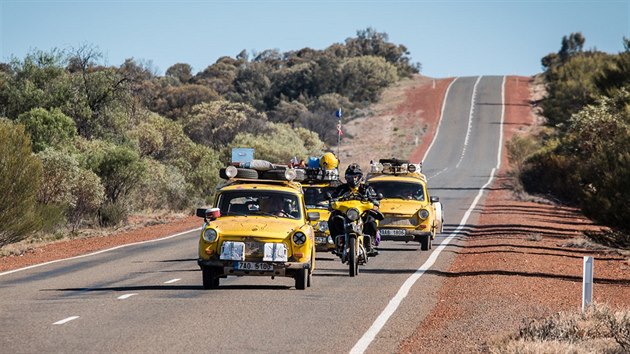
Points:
[322,226]
[353,214]
[423,214]
[299,238]
[210,235]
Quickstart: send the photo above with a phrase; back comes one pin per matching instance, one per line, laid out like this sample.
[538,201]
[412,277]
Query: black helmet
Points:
[353,175]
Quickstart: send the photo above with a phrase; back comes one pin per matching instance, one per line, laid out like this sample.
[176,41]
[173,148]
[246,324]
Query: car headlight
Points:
[423,214]
[322,226]
[210,235]
[353,214]
[299,238]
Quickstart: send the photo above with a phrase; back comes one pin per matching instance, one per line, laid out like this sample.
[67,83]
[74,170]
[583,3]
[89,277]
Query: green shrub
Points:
[48,128]
[20,173]
[112,214]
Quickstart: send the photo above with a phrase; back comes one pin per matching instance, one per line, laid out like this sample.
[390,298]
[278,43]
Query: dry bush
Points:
[598,330]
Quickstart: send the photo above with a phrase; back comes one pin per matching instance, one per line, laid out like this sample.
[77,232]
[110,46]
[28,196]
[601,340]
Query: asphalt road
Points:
[148,297]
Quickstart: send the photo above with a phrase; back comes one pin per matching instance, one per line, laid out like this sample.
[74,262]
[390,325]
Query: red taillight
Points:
[298,255]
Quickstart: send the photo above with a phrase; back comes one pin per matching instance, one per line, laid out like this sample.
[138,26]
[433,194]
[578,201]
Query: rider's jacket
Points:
[364,190]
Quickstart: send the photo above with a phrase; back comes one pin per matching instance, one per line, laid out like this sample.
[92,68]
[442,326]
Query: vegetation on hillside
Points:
[584,154]
[85,143]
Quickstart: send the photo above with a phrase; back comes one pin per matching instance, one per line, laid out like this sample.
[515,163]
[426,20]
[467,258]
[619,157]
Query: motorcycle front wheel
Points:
[353,262]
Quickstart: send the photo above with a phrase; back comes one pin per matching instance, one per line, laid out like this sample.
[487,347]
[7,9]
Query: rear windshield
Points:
[315,197]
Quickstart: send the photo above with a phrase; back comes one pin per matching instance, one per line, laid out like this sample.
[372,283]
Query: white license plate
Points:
[392,232]
[256,266]
[319,240]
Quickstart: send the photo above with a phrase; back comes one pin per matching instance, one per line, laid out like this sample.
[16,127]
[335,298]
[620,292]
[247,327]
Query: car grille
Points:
[254,249]
[391,221]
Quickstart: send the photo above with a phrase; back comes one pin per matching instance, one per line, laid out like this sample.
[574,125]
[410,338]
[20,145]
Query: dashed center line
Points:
[172,281]
[126,296]
[66,320]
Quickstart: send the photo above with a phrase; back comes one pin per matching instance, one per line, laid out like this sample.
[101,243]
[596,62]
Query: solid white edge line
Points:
[172,281]
[97,252]
[66,320]
[126,296]
[393,304]
[437,130]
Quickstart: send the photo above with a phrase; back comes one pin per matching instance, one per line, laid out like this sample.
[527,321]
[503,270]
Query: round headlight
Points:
[290,174]
[353,214]
[299,238]
[231,171]
[210,235]
[411,168]
[322,226]
[423,214]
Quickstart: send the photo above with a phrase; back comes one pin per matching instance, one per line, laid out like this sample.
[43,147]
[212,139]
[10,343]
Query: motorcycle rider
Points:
[354,177]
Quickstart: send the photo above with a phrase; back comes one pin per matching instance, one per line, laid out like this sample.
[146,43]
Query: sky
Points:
[448,38]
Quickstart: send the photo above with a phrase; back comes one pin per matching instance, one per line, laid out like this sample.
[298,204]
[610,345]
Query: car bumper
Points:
[323,243]
[409,235]
[279,268]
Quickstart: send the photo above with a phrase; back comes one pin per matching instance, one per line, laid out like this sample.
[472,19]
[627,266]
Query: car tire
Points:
[301,277]
[425,241]
[210,278]
[240,173]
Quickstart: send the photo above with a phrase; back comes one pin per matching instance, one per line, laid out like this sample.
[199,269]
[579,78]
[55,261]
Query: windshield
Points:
[315,197]
[399,190]
[260,202]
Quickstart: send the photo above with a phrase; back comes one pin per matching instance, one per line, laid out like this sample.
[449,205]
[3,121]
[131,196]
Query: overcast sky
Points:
[449,38]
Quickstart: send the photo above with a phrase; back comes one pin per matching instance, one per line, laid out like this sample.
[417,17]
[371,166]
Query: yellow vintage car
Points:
[411,214]
[259,227]
[317,201]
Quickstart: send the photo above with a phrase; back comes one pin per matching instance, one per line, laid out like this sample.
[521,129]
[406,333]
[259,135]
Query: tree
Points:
[177,101]
[88,194]
[363,78]
[48,128]
[180,71]
[19,181]
[215,124]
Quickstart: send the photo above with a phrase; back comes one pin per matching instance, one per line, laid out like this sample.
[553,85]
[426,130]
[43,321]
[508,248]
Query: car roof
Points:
[258,184]
[409,177]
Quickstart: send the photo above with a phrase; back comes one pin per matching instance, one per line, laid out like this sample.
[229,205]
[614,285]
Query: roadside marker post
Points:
[587,283]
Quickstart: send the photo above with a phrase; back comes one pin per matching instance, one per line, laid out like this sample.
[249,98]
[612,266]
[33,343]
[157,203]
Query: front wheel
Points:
[353,263]
[210,278]
[425,242]
[301,278]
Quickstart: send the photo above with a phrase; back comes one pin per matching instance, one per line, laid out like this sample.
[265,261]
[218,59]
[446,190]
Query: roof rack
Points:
[395,166]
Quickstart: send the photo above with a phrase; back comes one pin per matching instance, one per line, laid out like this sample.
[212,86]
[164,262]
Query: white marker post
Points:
[587,283]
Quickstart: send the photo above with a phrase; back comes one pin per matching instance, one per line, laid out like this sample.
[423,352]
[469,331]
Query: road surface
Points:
[148,297]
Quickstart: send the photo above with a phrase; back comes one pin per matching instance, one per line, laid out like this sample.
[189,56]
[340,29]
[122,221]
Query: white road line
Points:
[393,304]
[437,130]
[126,296]
[172,281]
[97,252]
[66,320]
[470,118]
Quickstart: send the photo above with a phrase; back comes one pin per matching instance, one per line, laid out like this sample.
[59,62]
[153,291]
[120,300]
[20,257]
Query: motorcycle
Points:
[352,208]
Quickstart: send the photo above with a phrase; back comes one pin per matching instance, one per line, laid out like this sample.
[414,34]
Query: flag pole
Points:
[339,115]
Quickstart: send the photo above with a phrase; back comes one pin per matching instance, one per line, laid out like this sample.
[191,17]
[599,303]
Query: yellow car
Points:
[411,214]
[316,201]
[257,228]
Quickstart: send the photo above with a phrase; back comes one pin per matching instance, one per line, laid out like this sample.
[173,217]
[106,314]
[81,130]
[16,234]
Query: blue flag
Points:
[338,113]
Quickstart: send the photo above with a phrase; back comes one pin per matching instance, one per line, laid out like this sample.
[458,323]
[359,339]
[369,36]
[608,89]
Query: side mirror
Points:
[201,212]
[312,216]
[434,199]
